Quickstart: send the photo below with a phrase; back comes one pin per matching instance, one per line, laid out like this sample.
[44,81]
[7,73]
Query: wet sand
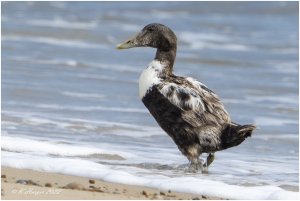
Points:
[34,185]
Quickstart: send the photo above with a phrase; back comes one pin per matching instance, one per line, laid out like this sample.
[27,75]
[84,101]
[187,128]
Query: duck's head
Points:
[153,35]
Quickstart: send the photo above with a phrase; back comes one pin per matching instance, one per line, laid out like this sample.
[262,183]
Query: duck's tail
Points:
[234,134]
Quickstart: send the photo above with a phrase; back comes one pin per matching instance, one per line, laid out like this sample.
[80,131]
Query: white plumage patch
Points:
[150,77]
[195,83]
[203,88]
[183,97]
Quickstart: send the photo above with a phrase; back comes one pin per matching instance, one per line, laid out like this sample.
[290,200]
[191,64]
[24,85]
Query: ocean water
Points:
[70,99]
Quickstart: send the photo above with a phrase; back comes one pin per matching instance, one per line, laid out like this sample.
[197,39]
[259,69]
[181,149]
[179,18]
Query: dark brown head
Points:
[153,35]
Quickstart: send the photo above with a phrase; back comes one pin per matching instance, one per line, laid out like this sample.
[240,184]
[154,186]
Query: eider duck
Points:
[188,111]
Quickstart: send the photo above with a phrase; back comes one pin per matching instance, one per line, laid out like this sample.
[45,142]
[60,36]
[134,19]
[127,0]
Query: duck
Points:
[186,109]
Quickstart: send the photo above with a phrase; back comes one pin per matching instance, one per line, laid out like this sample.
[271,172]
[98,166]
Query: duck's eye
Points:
[150,29]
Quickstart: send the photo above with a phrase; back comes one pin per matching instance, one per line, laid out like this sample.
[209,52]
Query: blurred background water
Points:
[67,93]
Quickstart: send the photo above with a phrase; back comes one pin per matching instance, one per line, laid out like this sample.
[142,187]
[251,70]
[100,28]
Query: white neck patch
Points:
[150,77]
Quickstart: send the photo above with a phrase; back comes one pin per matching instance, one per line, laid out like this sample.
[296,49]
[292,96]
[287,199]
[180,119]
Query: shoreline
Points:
[25,184]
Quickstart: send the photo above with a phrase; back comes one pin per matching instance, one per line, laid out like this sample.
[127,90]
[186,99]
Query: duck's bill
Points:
[130,43]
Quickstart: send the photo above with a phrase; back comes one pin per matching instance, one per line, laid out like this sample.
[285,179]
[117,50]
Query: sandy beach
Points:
[34,185]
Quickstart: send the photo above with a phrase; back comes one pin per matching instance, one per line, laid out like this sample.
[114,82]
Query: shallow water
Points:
[70,99]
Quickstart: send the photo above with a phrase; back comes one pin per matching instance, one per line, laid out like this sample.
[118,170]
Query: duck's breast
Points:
[150,77]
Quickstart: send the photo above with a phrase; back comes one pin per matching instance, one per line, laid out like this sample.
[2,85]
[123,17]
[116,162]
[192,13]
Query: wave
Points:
[278,137]
[91,108]
[18,144]
[61,23]
[291,99]
[188,184]
[10,118]
[169,14]
[83,95]
[193,36]
[117,67]
[67,62]
[76,63]
[270,121]
[129,27]
[211,41]
[81,108]
[53,41]
[287,67]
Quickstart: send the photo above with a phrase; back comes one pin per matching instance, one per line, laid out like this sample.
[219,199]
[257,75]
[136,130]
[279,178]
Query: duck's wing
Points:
[199,104]
[183,96]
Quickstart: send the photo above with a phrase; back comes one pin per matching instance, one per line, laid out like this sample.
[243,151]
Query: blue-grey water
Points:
[68,93]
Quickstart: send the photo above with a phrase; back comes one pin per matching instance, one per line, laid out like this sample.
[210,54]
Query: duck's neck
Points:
[168,58]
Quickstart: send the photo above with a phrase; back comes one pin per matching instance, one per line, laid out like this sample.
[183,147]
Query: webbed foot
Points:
[210,158]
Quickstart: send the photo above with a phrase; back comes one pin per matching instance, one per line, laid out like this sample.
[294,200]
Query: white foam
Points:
[80,108]
[168,14]
[116,128]
[32,119]
[279,137]
[193,37]
[115,67]
[53,41]
[17,144]
[129,27]
[96,108]
[83,95]
[289,67]
[280,99]
[188,184]
[57,4]
[61,23]
[211,41]
[270,121]
[72,62]
[38,121]
[68,62]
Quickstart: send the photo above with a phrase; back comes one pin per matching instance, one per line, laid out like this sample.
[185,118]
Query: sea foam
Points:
[211,41]
[61,23]
[188,184]
[17,144]
[53,41]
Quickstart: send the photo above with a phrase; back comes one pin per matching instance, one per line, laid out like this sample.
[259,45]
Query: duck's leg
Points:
[210,158]
[196,165]
[193,153]
[196,162]
[210,139]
